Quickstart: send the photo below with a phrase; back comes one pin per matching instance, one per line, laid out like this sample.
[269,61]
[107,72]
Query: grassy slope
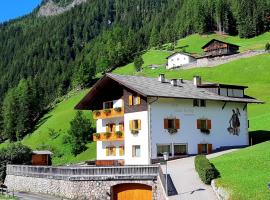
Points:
[59,119]
[246,172]
[193,43]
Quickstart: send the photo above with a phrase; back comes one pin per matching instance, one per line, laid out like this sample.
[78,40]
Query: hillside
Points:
[58,121]
[245,173]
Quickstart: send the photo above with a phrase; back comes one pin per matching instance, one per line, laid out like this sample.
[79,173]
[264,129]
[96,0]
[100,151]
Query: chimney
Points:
[174,82]
[181,80]
[197,80]
[161,78]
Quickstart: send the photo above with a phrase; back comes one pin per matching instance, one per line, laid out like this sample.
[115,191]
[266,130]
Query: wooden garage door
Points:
[132,191]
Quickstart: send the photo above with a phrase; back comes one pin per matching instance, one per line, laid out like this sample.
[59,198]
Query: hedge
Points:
[206,170]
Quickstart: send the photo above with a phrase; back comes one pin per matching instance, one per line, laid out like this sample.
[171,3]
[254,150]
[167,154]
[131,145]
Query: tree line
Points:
[43,58]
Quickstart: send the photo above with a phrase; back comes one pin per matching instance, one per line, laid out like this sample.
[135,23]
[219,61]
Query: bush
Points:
[138,62]
[206,170]
[119,134]
[267,46]
[13,154]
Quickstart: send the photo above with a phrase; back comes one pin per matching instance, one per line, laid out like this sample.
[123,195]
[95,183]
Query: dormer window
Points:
[199,103]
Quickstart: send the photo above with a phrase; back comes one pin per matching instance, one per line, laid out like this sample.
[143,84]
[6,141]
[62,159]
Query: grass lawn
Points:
[193,43]
[59,119]
[245,173]
[3,197]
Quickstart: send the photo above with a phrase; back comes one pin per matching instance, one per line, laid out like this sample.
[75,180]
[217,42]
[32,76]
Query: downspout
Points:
[150,129]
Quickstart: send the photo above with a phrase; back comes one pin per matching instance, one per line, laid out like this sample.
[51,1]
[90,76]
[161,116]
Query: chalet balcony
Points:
[108,113]
[109,136]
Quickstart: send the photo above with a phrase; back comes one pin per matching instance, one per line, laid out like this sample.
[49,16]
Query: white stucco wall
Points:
[188,132]
[101,150]
[178,60]
[137,139]
[101,123]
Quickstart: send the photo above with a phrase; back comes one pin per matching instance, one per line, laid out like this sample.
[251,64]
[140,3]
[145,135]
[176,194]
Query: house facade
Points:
[139,118]
[179,59]
[219,48]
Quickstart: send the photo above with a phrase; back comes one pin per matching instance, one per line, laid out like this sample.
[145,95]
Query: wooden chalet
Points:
[219,48]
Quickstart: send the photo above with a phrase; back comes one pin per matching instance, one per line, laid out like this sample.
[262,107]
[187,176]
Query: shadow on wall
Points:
[259,136]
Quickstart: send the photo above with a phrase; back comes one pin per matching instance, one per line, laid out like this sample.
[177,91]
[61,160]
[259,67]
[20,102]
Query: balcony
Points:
[109,136]
[108,113]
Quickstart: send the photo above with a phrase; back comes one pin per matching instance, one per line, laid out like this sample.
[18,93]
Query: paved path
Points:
[31,196]
[186,180]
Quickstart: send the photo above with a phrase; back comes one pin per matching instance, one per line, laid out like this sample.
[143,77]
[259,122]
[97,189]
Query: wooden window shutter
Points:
[107,128]
[139,124]
[209,124]
[107,151]
[166,123]
[138,100]
[121,127]
[130,100]
[130,124]
[114,151]
[114,127]
[199,148]
[209,148]
[177,123]
[198,124]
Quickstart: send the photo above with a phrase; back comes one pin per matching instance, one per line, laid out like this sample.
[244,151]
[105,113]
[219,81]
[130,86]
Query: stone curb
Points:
[221,193]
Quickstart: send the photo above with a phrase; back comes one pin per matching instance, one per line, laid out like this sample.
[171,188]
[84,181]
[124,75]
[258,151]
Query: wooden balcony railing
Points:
[108,113]
[108,136]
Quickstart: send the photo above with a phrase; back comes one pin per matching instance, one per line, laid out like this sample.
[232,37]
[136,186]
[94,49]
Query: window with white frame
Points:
[108,105]
[136,151]
[180,149]
[199,103]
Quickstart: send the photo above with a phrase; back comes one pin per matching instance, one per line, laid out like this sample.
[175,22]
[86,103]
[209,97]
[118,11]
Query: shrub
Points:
[96,112]
[107,111]
[107,134]
[119,134]
[206,170]
[134,131]
[118,109]
[267,46]
[138,62]
[97,135]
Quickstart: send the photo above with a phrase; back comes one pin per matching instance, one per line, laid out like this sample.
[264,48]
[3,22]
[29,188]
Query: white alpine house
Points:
[179,59]
[139,118]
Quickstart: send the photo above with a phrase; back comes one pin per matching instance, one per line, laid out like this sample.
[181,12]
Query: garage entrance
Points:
[131,191]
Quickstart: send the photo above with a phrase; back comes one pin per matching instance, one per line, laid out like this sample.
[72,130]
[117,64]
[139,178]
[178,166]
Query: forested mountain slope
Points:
[44,57]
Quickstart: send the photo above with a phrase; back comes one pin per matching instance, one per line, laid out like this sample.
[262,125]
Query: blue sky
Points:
[11,9]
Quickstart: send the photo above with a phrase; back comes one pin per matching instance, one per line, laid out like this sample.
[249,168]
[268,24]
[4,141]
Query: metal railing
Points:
[141,172]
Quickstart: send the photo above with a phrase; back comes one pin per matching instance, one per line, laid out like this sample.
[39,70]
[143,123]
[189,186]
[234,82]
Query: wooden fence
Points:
[141,172]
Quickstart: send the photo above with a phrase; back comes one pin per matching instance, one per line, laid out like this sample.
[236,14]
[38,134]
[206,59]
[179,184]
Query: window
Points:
[180,149]
[121,126]
[161,148]
[134,100]
[199,103]
[136,151]
[171,123]
[204,124]
[121,150]
[110,128]
[108,105]
[135,124]
[204,148]
[110,151]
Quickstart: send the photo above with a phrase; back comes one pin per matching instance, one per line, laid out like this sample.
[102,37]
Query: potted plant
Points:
[205,131]
[119,134]
[97,113]
[97,135]
[107,111]
[134,131]
[172,130]
[118,109]
[107,134]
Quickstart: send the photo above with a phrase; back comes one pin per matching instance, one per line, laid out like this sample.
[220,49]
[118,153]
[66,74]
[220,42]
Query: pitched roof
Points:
[218,41]
[187,54]
[152,87]
[44,152]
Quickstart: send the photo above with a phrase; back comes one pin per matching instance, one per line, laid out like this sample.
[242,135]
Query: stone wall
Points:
[82,182]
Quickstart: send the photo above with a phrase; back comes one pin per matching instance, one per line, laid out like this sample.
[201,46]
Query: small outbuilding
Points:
[216,47]
[179,59]
[41,157]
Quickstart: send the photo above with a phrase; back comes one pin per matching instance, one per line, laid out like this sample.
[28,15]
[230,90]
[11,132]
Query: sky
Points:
[11,9]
